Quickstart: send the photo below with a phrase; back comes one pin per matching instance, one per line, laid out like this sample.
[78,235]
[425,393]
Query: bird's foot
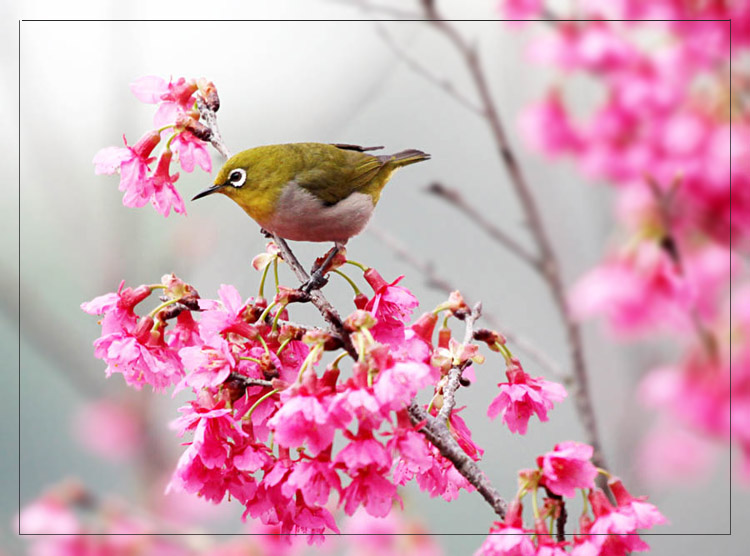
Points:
[322,266]
[316,281]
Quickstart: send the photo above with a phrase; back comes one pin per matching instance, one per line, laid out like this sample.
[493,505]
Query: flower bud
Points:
[360,300]
[425,326]
[444,337]
[146,144]
[142,330]
[375,280]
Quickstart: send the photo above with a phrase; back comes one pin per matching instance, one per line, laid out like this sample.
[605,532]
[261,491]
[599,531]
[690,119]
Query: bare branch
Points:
[456,200]
[416,67]
[209,117]
[550,270]
[316,297]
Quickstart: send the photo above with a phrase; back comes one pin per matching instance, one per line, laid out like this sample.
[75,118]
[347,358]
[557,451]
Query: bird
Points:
[316,192]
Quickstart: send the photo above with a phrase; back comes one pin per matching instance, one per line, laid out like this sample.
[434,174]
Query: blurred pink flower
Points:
[110,429]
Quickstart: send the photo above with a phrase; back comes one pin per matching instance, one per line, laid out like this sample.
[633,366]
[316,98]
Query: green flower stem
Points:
[351,282]
[266,311]
[261,289]
[260,400]
[253,359]
[265,345]
[362,267]
[338,359]
[276,272]
[507,355]
[276,317]
[169,141]
[535,502]
[310,356]
[282,346]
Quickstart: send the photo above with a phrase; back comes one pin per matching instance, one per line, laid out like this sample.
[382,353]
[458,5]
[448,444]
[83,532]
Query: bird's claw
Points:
[316,281]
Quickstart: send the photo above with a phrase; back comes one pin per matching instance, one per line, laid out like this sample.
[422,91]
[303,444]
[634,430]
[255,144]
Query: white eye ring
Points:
[237,177]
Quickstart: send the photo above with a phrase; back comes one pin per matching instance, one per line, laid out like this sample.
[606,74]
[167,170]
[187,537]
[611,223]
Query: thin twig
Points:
[550,270]
[454,374]
[437,282]
[247,381]
[457,201]
[669,243]
[419,69]
[316,297]
[209,117]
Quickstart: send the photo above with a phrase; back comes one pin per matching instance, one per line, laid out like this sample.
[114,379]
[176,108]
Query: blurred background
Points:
[289,81]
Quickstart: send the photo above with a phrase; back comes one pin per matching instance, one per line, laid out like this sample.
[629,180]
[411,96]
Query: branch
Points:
[209,117]
[439,283]
[456,200]
[454,375]
[440,436]
[247,381]
[550,270]
[316,297]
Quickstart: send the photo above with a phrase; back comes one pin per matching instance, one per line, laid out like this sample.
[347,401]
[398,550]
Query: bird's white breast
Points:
[300,216]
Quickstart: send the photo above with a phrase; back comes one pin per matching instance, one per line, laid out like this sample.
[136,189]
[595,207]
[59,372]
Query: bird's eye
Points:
[237,177]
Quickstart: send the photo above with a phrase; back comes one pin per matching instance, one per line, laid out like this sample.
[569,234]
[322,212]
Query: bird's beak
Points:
[208,191]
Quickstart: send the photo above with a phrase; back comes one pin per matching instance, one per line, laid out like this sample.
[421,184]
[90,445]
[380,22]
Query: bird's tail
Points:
[404,158]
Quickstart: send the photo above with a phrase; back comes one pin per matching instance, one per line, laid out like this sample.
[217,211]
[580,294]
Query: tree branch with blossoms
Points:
[435,430]
[269,428]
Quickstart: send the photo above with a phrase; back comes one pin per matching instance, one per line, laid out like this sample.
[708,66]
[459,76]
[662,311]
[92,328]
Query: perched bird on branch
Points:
[310,191]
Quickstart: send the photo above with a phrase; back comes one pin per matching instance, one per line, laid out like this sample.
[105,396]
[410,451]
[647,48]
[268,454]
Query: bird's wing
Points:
[334,173]
[358,148]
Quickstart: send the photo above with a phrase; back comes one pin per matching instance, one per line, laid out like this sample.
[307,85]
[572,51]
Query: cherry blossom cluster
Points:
[661,135]
[603,528]
[277,429]
[66,520]
[177,124]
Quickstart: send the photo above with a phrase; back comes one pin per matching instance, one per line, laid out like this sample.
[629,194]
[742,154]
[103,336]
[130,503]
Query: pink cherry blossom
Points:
[522,397]
[191,151]
[133,166]
[370,490]
[391,305]
[507,541]
[313,479]
[303,419]
[165,196]
[207,366]
[567,468]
